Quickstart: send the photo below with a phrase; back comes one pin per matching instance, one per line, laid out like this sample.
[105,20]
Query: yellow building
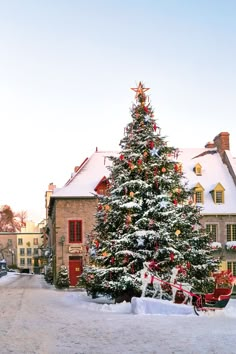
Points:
[29,241]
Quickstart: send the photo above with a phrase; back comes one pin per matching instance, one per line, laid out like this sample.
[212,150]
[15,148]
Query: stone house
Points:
[211,175]
[71,213]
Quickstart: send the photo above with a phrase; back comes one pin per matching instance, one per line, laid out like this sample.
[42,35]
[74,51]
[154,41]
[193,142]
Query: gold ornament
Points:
[131,194]
[177,232]
[107,207]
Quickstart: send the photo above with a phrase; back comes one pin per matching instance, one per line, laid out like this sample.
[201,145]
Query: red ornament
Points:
[156,247]
[154,127]
[176,167]
[188,265]
[175,201]
[172,256]
[132,269]
[155,171]
[122,157]
[139,162]
[151,144]
[96,242]
[112,260]
[146,109]
[126,259]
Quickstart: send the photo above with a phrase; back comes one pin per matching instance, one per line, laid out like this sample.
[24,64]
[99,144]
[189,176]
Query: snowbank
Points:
[144,305]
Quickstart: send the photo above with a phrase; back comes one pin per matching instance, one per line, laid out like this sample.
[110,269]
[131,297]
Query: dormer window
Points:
[198,169]
[102,186]
[198,196]
[218,194]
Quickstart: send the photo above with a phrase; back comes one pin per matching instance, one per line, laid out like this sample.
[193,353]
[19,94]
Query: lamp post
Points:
[62,244]
[12,256]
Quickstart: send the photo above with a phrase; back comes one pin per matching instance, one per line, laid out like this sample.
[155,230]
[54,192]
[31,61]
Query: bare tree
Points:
[10,221]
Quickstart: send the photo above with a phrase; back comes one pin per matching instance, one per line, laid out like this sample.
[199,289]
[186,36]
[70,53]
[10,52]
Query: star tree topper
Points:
[140,89]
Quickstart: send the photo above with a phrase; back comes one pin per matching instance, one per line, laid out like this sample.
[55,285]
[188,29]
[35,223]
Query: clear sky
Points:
[66,69]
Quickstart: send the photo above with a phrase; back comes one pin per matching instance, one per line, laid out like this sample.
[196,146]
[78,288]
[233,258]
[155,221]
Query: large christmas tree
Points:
[147,215]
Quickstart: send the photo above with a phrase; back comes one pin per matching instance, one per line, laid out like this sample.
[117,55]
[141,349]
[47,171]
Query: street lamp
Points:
[12,256]
[62,244]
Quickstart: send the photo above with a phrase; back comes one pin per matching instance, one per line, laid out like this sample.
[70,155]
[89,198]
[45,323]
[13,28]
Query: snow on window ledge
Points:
[230,246]
[216,246]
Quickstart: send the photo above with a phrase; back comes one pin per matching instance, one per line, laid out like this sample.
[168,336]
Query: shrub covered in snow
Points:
[62,280]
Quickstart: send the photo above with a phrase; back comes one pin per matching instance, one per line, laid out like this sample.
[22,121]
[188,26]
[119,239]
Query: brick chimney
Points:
[51,187]
[221,141]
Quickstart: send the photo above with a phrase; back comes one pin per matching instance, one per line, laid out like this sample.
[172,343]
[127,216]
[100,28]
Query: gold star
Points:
[140,89]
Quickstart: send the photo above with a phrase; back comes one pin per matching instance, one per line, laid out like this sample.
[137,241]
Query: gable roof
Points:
[84,181]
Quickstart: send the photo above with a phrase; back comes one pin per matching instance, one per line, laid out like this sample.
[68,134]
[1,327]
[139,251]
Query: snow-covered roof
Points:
[83,182]
[214,171]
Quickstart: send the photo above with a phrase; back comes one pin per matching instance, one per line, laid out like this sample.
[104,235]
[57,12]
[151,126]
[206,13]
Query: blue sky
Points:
[66,69]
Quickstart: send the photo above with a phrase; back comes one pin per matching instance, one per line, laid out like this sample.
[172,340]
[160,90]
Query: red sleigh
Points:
[224,283]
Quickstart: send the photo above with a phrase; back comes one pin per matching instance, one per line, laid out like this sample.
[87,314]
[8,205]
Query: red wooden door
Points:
[75,269]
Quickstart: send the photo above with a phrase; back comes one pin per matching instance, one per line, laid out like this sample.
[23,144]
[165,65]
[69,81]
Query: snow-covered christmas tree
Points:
[147,215]
[62,280]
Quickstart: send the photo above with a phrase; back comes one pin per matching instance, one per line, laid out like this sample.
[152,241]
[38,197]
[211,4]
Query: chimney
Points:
[51,187]
[221,141]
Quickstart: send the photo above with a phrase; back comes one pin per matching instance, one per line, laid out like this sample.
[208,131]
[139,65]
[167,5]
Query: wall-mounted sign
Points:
[76,249]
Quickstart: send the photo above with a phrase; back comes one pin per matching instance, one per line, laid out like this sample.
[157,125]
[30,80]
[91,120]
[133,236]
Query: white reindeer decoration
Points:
[180,286]
[148,278]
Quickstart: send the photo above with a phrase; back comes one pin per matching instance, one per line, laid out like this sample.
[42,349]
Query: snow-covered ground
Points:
[37,318]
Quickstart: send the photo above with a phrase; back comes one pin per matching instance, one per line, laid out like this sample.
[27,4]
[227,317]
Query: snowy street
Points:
[37,318]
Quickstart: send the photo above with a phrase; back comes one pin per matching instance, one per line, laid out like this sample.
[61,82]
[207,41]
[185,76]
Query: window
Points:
[9,242]
[231,232]
[22,261]
[212,230]
[198,169]
[36,241]
[29,251]
[20,241]
[218,194]
[36,251]
[219,197]
[198,196]
[29,261]
[22,251]
[231,266]
[102,187]
[75,231]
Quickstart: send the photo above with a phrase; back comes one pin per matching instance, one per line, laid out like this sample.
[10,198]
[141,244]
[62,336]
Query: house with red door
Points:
[71,213]
[211,175]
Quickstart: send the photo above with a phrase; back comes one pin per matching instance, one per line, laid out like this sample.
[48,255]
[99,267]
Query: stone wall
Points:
[72,209]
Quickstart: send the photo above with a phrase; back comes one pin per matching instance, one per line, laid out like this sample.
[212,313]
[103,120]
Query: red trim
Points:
[104,180]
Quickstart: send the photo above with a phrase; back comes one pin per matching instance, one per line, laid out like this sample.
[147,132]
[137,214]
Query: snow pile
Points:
[155,306]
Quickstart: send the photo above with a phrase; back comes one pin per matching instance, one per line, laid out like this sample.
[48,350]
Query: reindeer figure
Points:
[180,286]
[148,278]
